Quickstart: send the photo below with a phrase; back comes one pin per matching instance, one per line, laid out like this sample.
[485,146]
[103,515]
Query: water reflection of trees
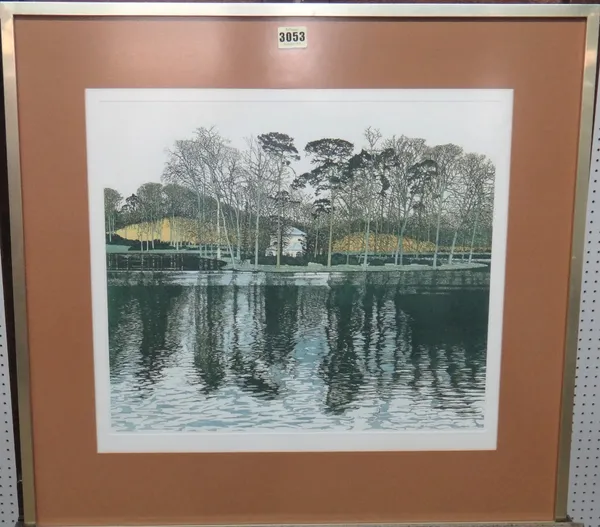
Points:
[380,340]
[377,340]
[448,336]
[280,325]
[341,368]
[145,330]
[208,336]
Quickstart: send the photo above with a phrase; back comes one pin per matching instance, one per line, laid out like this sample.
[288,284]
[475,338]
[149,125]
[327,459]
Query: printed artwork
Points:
[297,269]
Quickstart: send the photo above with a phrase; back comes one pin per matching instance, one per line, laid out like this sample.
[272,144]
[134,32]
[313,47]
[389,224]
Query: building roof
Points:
[292,231]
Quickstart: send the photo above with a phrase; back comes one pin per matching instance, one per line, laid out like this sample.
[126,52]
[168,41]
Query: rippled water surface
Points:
[392,351]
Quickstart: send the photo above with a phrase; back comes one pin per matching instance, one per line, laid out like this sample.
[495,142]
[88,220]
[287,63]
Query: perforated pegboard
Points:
[584,480]
[9,503]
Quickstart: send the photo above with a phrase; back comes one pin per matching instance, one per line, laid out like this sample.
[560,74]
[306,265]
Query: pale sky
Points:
[129,130]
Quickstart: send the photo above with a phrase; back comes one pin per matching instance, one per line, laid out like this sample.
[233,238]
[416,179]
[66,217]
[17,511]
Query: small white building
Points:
[294,241]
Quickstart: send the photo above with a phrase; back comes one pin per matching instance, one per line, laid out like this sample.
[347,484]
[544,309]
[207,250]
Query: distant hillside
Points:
[379,242]
[185,230]
[387,243]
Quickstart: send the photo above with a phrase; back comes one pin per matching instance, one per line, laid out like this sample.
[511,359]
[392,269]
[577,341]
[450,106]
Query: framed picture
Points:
[331,250]
[255,288]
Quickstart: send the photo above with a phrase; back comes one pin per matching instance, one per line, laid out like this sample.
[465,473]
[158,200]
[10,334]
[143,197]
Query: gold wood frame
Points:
[589,13]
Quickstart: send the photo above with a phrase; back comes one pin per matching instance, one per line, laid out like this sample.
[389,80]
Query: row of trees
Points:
[399,187]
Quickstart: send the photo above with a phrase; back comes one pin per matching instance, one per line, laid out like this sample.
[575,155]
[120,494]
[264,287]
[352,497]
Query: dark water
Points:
[322,353]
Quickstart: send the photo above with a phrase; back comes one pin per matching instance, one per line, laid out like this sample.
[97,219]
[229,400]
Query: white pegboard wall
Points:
[584,480]
[9,502]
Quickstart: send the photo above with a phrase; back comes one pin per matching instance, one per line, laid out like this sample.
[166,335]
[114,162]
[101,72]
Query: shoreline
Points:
[312,270]
[423,277]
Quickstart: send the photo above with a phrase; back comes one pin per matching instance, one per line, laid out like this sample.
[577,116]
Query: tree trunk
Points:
[379,243]
[437,236]
[398,244]
[239,237]
[229,246]
[257,230]
[279,214]
[401,242]
[153,231]
[330,239]
[174,232]
[330,233]
[350,211]
[348,244]
[248,233]
[473,237]
[367,232]
[202,218]
[218,229]
[453,245]
[317,238]
[279,240]
[198,197]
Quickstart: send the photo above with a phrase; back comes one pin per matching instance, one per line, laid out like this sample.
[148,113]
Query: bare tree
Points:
[179,203]
[184,167]
[483,221]
[258,169]
[402,155]
[467,193]
[234,192]
[202,164]
[446,158]
[220,159]
[374,184]
[112,201]
[151,202]
[483,206]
